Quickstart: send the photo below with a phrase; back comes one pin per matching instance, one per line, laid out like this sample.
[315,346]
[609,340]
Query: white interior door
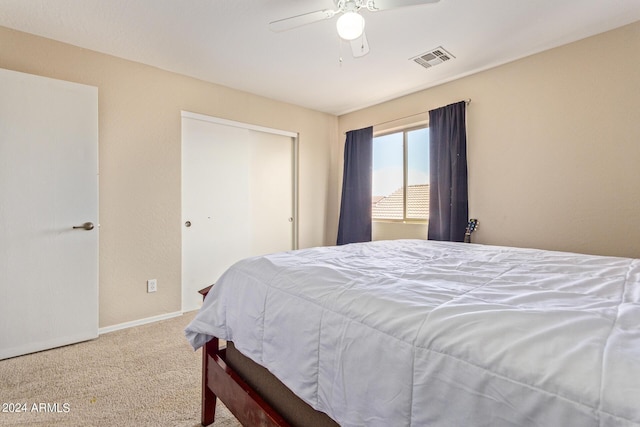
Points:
[48,185]
[238,198]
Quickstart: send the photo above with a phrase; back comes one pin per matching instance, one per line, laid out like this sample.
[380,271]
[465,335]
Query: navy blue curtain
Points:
[448,199]
[355,205]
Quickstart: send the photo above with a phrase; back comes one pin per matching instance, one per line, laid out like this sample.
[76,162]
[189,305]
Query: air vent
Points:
[433,57]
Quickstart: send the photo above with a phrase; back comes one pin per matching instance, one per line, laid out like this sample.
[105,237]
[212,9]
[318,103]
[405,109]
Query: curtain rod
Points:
[466,101]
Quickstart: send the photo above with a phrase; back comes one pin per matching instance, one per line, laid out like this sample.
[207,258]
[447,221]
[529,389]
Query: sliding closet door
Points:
[48,186]
[271,187]
[237,198]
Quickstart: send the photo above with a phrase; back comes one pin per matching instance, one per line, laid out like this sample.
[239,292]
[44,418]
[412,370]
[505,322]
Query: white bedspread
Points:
[421,333]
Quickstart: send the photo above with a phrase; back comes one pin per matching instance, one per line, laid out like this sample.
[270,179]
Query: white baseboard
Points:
[139,322]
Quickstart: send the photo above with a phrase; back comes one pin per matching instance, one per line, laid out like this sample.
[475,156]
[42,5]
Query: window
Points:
[401,176]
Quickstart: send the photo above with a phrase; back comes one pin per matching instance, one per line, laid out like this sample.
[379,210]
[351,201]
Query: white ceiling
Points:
[229,42]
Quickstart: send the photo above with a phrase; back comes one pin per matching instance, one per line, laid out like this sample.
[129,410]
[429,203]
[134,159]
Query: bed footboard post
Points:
[208,411]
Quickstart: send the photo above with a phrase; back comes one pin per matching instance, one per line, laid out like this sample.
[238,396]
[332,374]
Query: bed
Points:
[424,333]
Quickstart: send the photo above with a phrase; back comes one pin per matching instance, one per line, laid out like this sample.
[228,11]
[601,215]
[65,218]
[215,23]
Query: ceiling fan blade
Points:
[359,46]
[392,4]
[300,20]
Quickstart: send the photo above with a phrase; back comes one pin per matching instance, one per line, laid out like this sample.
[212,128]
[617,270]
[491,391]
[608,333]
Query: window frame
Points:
[405,172]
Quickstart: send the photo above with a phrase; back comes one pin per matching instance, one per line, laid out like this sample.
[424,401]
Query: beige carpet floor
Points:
[143,376]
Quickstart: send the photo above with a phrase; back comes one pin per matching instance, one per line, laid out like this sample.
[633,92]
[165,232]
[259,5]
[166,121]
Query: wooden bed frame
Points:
[220,381]
[227,374]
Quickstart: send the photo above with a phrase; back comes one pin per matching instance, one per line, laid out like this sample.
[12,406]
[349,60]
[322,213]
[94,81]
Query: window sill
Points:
[400,221]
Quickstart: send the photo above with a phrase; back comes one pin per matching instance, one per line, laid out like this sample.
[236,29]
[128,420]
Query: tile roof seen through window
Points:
[390,207]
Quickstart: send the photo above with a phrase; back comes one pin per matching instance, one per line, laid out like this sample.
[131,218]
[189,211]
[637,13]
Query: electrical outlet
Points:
[152,285]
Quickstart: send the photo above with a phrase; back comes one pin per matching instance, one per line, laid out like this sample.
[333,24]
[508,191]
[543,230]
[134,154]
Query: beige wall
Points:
[386,230]
[139,148]
[553,145]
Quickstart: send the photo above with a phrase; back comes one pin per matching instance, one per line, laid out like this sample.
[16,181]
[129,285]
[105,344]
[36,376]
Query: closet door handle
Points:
[86,226]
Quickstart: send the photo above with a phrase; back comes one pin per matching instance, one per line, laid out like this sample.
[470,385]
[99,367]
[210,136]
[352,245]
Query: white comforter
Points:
[422,333]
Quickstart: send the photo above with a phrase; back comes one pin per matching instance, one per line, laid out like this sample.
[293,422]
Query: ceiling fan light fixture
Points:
[350,25]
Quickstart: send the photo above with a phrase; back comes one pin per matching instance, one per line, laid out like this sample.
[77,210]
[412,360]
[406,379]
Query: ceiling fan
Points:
[350,24]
